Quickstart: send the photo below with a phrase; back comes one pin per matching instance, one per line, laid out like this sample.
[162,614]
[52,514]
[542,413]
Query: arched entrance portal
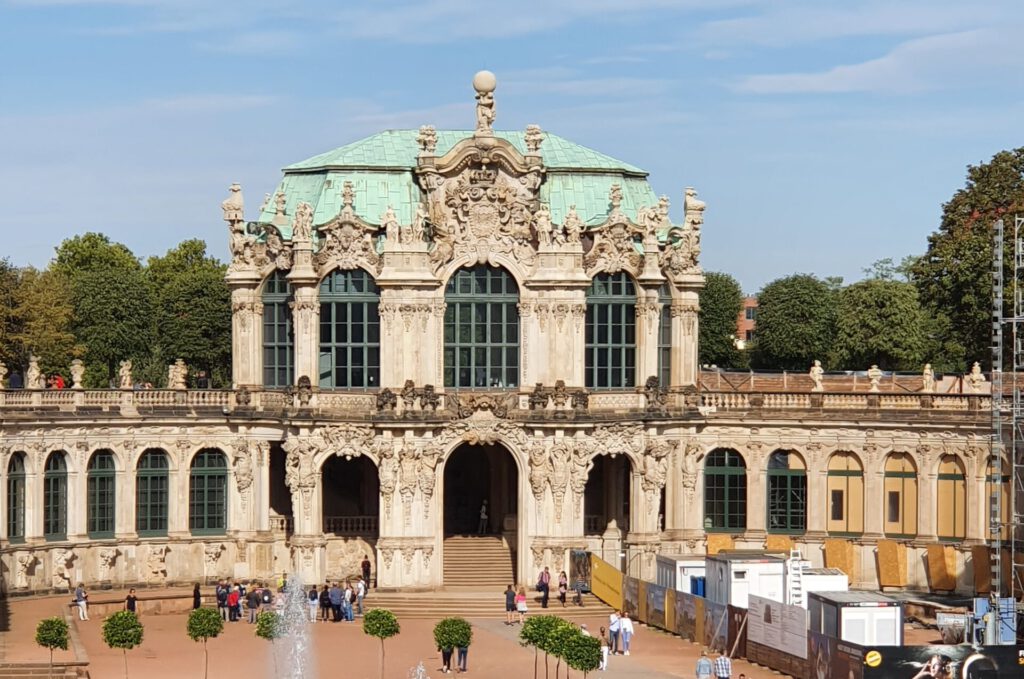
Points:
[479,547]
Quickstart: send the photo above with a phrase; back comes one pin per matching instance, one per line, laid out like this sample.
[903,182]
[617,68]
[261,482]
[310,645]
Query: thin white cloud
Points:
[253,42]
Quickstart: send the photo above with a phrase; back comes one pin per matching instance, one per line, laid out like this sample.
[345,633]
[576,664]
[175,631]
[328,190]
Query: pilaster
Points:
[246,329]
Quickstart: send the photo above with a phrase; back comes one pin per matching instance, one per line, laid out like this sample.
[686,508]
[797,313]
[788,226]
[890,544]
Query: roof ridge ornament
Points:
[484,82]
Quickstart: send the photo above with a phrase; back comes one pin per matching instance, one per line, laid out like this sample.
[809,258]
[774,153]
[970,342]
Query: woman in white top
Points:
[626,627]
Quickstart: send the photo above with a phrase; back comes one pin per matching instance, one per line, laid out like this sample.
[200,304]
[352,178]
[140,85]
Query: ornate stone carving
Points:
[427,553]
[177,374]
[234,215]
[24,565]
[572,226]
[386,400]
[243,397]
[875,376]
[484,83]
[616,242]
[582,463]
[408,479]
[407,556]
[77,373]
[388,472]
[580,400]
[389,557]
[559,395]
[816,374]
[975,379]
[691,455]
[561,459]
[346,241]
[540,470]
[681,252]
[300,471]
[538,555]
[108,555]
[927,379]
[242,465]
[539,397]
[61,575]
[303,556]
[124,374]
[654,395]
[654,472]
[302,224]
[498,405]
[427,139]
[618,439]
[211,555]
[426,473]
[543,226]
[156,563]
[533,138]
[304,391]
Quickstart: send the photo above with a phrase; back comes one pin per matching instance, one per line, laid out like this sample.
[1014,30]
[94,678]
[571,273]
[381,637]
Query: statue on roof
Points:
[234,206]
[427,139]
[389,222]
[573,225]
[533,138]
[542,223]
[694,208]
[484,83]
[302,225]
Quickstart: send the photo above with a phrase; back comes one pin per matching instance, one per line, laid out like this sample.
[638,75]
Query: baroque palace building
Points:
[428,320]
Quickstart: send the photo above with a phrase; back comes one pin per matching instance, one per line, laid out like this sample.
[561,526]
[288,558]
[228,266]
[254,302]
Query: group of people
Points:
[337,604]
[719,668]
[544,587]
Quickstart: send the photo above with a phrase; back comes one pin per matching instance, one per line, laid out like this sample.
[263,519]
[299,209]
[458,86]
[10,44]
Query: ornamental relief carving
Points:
[681,252]
[347,241]
[616,242]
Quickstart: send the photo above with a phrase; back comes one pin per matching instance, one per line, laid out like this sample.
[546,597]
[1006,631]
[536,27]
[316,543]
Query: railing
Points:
[282,525]
[712,401]
[351,525]
[594,524]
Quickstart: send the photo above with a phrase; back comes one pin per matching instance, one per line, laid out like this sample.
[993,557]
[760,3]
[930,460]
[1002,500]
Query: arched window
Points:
[951,499]
[208,493]
[845,495]
[16,498]
[55,497]
[900,496]
[100,495]
[481,329]
[994,480]
[349,331]
[787,493]
[611,332]
[278,338]
[665,337]
[151,483]
[725,492]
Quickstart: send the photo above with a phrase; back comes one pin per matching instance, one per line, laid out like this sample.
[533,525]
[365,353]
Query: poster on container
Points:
[716,626]
[943,662]
[777,625]
[606,582]
[631,597]
[655,605]
[686,617]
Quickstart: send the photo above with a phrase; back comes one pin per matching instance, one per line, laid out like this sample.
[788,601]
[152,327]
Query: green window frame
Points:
[725,492]
[278,335]
[787,496]
[100,495]
[665,336]
[349,331]
[208,493]
[481,329]
[55,497]
[16,499]
[611,332]
[152,481]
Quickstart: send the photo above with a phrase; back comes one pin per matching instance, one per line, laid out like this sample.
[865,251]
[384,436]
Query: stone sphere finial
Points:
[484,81]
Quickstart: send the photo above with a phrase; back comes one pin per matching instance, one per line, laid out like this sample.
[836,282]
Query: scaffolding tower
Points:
[1006,514]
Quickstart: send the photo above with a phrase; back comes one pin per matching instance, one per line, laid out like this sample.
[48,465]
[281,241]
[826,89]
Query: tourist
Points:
[446,660]
[325,604]
[703,670]
[360,593]
[82,601]
[253,601]
[614,625]
[314,603]
[365,567]
[335,596]
[232,602]
[544,585]
[723,667]
[510,604]
[202,381]
[131,601]
[521,604]
[348,596]
[563,587]
[197,597]
[604,650]
[58,381]
[626,630]
[462,658]
[482,528]
[222,599]
[584,631]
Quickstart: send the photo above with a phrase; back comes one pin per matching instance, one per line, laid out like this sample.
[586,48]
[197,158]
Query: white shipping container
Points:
[733,576]
[823,580]
[865,618]
[674,570]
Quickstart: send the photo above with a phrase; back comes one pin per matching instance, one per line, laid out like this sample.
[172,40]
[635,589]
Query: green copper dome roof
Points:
[381,169]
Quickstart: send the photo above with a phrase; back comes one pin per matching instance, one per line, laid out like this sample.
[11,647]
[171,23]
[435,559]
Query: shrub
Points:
[205,624]
[124,631]
[383,624]
[52,633]
[453,633]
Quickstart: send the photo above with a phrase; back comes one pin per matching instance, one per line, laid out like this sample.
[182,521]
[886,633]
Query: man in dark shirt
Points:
[365,566]
[202,381]
[15,381]
[510,604]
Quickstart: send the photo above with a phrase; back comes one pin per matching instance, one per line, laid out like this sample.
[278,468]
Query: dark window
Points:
[100,495]
[893,515]
[16,498]
[151,483]
[787,495]
[751,313]
[55,498]
[725,492]
[837,504]
[349,331]
[208,490]
[481,329]
[749,335]
[665,337]
[611,332]
[278,338]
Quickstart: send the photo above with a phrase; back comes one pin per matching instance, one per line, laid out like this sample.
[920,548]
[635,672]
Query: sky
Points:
[823,135]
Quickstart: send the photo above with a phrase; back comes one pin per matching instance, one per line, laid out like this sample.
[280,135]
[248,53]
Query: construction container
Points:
[675,570]
[734,576]
[865,618]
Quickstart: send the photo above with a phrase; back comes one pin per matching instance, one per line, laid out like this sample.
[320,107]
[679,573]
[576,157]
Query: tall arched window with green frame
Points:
[208,493]
[665,336]
[16,498]
[481,329]
[787,493]
[55,497]
[278,337]
[611,332]
[152,478]
[99,511]
[349,331]
[725,492]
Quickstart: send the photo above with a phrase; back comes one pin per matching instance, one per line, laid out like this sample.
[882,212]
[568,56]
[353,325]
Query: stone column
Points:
[874,501]
[261,487]
[927,511]
[33,500]
[246,329]
[124,502]
[977,503]
[305,310]
[757,498]
[648,313]
[817,499]
[177,501]
[76,504]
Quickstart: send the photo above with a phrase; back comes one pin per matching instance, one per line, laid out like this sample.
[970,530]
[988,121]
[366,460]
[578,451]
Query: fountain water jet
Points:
[299,661]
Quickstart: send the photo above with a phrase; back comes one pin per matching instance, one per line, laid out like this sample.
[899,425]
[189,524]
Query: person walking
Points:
[131,602]
[365,567]
[82,601]
[446,660]
[197,597]
[233,598]
[626,632]
[482,528]
[462,659]
[521,604]
[563,587]
[703,669]
[604,650]
[325,604]
[253,601]
[360,593]
[222,599]
[544,585]
[314,603]
[723,667]
[614,625]
[335,596]
[510,604]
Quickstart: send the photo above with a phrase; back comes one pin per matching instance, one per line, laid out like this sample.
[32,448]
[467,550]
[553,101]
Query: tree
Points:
[796,318]
[880,322]
[8,326]
[192,309]
[270,626]
[559,641]
[123,630]
[583,653]
[888,270]
[721,302]
[535,632]
[954,276]
[52,633]
[42,315]
[383,624]
[453,633]
[204,624]
[92,252]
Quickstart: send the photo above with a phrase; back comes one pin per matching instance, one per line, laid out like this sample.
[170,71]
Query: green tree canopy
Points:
[93,252]
[52,633]
[583,653]
[204,624]
[880,322]
[42,315]
[8,324]
[382,624]
[721,301]
[796,320]
[954,275]
[536,632]
[452,633]
[123,630]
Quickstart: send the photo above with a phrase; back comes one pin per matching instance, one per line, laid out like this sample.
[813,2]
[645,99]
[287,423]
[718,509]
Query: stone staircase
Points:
[38,670]
[479,604]
[475,562]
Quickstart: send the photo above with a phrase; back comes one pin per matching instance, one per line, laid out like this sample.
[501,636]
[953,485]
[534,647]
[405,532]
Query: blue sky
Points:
[823,135]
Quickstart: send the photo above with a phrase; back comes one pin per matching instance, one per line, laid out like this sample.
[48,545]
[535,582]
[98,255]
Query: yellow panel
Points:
[606,582]
[778,543]
[892,564]
[909,506]
[941,577]
[840,554]
[718,542]
[855,504]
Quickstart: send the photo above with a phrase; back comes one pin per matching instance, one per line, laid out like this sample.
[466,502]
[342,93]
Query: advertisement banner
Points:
[686,617]
[777,625]
[631,597]
[947,662]
[579,569]
[656,606]
[606,582]
[716,626]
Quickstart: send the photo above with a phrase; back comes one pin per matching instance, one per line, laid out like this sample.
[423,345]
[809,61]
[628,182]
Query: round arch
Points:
[725,491]
[901,492]
[608,494]
[349,495]
[494,259]
[610,341]
[349,339]
[844,494]
[787,492]
[482,332]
